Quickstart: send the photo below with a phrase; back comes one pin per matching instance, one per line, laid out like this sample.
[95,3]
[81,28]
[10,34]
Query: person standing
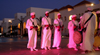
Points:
[88,31]
[58,24]
[46,35]
[31,25]
[71,26]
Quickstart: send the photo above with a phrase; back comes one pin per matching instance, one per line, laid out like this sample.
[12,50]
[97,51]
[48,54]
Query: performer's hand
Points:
[82,27]
[74,26]
[46,25]
[58,27]
[31,27]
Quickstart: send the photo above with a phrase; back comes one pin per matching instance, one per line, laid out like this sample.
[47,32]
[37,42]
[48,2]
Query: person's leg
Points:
[75,49]
[31,49]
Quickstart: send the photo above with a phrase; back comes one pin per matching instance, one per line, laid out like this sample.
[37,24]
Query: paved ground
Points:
[20,48]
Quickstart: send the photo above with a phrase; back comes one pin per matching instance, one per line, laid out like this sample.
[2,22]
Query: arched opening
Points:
[24,28]
[18,28]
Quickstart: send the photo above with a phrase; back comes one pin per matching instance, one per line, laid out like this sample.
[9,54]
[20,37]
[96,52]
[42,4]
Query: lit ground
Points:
[20,48]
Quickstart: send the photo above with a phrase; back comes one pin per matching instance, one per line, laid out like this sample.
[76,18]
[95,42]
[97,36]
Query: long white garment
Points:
[32,34]
[46,35]
[88,36]
[57,34]
[71,43]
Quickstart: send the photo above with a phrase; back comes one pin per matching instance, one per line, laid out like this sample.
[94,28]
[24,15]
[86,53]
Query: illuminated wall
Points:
[69,9]
[24,27]
[2,30]
[11,29]
[18,28]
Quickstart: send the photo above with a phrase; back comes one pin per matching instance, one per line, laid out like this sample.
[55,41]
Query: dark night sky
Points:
[9,7]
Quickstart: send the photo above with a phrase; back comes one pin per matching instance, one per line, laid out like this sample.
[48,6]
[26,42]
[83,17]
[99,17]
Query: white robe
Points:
[88,36]
[71,43]
[46,35]
[57,34]
[32,34]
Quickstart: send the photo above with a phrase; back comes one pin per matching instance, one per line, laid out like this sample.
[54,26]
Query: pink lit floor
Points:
[20,48]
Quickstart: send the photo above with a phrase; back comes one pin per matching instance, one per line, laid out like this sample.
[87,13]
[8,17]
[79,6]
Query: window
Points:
[29,13]
[65,18]
[65,30]
[69,9]
[62,18]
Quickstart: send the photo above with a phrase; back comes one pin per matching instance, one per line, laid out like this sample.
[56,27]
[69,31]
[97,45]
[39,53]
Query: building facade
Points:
[79,9]
[6,25]
[66,12]
[1,30]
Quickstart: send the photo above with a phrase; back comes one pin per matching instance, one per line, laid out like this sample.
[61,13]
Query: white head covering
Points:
[58,14]
[46,12]
[73,16]
[81,17]
[32,13]
[89,8]
[98,12]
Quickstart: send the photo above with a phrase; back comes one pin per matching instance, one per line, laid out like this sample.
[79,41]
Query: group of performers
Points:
[88,34]
[46,32]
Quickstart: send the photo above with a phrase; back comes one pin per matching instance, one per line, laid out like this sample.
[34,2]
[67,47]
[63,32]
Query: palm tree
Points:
[14,28]
[21,25]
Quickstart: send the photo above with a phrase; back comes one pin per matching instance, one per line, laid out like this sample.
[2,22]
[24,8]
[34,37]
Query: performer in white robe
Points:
[71,27]
[32,32]
[88,35]
[58,24]
[46,35]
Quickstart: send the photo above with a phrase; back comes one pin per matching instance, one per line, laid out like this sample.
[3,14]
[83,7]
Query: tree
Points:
[21,25]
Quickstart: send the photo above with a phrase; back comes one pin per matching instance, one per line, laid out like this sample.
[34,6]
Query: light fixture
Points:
[92,4]
[70,17]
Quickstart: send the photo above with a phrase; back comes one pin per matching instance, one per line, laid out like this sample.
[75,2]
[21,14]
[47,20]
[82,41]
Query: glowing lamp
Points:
[10,21]
[70,17]
[92,4]
[0,33]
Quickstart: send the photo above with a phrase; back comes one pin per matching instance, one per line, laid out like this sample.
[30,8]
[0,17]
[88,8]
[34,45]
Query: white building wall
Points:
[52,16]
[6,24]
[15,22]
[79,11]
[40,12]
[55,14]
[65,15]
[20,15]
[96,6]
[0,22]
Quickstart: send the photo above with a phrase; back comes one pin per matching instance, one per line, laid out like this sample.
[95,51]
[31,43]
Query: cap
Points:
[73,16]
[46,12]
[81,17]
[58,14]
[32,13]
[98,12]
